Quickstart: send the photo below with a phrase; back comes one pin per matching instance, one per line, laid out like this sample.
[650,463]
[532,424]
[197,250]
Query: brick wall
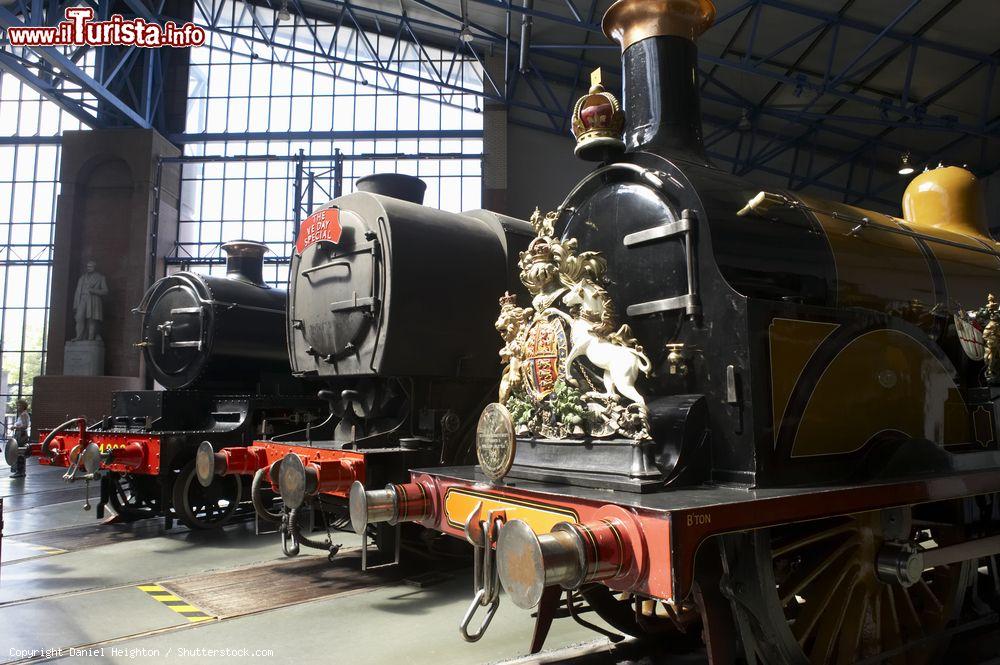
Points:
[59,398]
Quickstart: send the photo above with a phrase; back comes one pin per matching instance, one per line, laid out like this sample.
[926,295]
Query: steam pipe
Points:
[59,430]
[256,497]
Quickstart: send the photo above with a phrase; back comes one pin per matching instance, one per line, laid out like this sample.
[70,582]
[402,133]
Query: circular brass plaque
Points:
[495,443]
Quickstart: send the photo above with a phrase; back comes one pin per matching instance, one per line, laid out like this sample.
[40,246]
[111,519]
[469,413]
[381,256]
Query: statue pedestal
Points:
[83,358]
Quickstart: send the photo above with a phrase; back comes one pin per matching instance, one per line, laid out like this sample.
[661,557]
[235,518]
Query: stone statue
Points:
[88,307]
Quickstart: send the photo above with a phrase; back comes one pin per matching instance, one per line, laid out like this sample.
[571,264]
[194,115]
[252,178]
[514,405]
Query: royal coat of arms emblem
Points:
[571,370]
[545,351]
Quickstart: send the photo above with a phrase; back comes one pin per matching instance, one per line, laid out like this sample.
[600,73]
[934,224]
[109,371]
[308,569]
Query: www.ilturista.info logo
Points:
[80,29]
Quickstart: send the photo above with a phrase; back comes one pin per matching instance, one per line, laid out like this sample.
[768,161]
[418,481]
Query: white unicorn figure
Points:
[620,363]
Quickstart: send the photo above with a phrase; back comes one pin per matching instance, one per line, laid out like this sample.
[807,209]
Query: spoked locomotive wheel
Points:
[205,507]
[815,596]
[131,498]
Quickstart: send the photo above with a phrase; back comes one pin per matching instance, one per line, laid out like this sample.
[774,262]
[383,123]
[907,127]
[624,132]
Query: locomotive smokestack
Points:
[245,261]
[659,71]
[397,185]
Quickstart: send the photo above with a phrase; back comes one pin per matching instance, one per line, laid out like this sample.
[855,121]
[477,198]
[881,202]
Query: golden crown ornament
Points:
[598,123]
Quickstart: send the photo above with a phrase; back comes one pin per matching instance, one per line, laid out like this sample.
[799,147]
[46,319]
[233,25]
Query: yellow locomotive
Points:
[768,414]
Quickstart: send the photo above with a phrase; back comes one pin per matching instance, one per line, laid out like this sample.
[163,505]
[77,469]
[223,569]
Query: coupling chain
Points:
[485,573]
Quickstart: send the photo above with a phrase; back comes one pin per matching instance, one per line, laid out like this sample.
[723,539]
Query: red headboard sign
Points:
[322,225]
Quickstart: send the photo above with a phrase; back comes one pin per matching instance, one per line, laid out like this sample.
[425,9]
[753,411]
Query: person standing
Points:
[22,427]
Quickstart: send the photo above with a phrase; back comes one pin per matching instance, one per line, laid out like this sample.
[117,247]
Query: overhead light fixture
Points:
[283,13]
[466,35]
[905,167]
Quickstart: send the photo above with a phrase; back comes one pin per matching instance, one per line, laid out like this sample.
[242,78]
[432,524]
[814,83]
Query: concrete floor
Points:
[68,582]
[82,593]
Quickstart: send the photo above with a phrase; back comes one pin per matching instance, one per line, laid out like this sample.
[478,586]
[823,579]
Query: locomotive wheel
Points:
[129,498]
[205,507]
[815,598]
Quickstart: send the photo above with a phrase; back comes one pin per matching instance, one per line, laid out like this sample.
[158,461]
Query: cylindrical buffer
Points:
[408,502]
[56,449]
[237,461]
[11,452]
[299,479]
[208,463]
[570,556]
[371,506]
[131,456]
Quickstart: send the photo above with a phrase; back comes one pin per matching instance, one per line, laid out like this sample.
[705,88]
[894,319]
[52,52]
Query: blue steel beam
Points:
[821,89]
[552,51]
[11,65]
[356,135]
[886,59]
[916,110]
[543,107]
[875,29]
[547,100]
[848,68]
[69,68]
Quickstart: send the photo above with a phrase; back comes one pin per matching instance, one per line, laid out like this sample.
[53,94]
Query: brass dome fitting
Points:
[949,199]
[631,21]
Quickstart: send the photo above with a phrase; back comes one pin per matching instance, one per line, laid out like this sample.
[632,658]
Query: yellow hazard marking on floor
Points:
[179,605]
[46,549]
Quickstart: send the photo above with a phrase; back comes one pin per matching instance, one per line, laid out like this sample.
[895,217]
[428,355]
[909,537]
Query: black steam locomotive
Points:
[380,297]
[746,415]
[217,346]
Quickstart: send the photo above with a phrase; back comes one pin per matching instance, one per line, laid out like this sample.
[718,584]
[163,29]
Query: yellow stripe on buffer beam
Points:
[179,605]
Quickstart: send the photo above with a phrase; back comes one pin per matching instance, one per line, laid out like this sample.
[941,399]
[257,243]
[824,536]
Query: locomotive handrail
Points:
[331,264]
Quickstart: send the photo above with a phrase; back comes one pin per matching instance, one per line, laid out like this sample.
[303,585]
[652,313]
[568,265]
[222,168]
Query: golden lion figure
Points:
[511,325]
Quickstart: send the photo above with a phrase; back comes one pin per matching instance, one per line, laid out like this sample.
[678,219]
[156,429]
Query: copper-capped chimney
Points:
[659,72]
[245,261]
